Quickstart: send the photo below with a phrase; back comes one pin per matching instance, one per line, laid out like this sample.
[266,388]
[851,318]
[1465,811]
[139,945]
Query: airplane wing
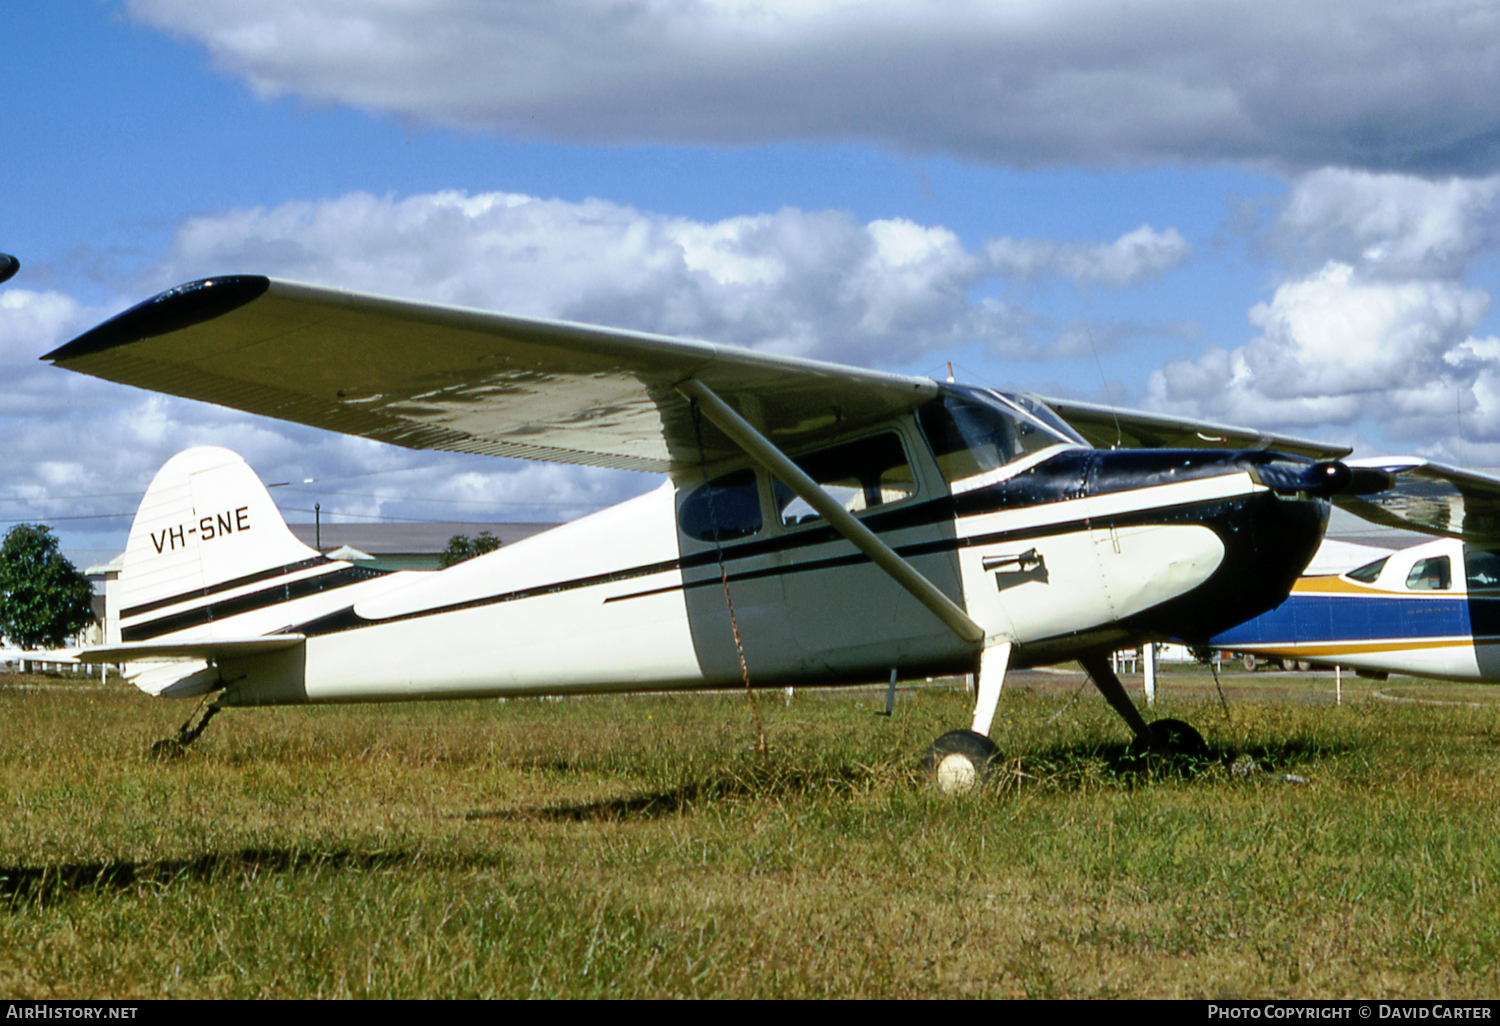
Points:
[435,377]
[1431,498]
[1109,428]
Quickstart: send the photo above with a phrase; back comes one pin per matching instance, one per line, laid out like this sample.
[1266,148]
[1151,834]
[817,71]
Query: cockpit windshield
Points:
[1044,413]
[1368,573]
[972,430]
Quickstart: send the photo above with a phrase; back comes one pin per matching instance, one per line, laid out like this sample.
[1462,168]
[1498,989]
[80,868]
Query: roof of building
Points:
[386,539]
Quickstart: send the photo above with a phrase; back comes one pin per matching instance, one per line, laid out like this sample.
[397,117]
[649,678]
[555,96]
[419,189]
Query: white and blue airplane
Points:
[1429,610]
[819,525]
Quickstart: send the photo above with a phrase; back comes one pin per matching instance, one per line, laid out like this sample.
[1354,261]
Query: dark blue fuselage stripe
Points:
[220,588]
[238,606]
[1306,619]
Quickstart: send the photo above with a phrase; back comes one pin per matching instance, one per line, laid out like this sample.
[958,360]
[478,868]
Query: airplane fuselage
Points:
[1083,550]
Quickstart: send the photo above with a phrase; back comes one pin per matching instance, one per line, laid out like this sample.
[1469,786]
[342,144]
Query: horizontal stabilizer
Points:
[201,648]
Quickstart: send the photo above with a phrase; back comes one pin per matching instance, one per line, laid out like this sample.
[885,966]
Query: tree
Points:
[462,547]
[44,600]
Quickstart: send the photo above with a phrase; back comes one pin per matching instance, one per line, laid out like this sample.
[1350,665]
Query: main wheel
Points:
[959,761]
[1178,747]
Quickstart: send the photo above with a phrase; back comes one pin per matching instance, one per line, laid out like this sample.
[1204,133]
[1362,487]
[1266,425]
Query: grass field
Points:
[639,847]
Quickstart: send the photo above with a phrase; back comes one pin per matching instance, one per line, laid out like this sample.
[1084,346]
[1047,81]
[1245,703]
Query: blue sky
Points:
[1256,213]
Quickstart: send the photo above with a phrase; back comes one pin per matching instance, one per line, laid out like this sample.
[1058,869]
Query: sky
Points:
[1278,215]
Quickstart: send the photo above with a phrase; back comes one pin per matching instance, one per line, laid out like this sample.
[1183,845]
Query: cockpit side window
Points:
[725,508]
[1434,574]
[862,474]
[969,437]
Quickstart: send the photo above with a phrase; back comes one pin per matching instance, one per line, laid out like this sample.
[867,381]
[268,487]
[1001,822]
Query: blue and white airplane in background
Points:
[819,525]
[1430,610]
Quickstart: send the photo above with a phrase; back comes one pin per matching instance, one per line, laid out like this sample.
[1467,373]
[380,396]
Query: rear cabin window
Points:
[860,475]
[725,508]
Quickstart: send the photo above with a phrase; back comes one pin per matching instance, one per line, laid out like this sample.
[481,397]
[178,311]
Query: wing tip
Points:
[172,310]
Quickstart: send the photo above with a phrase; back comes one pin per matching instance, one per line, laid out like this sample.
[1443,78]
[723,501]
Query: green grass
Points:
[639,847]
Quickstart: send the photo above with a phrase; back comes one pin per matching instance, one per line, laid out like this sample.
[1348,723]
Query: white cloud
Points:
[1339,351]
[1393,226]
[1134,257]
[1375,333]
[806,283]
[1335,334]
[1386,85]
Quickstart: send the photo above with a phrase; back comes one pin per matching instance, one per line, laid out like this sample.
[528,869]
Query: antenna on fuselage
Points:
[1458,421]
[1119,435]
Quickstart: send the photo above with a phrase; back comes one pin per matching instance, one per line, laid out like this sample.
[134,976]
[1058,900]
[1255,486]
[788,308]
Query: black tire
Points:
[959,761]
[1179,748]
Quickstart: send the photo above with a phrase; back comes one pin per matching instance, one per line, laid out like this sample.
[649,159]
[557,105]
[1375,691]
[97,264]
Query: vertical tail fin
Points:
[206,531]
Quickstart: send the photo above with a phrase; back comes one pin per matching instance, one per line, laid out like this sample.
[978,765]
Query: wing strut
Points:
[809,491]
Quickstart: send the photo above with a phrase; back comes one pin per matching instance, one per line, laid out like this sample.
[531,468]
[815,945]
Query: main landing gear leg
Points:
[172,747]
[961,759]
[1172,738]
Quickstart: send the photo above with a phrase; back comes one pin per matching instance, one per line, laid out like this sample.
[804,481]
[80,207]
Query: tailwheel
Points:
[1177,746]
[171,748]
[959,761]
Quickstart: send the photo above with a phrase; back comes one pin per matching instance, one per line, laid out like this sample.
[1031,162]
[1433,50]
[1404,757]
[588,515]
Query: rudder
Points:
[205,526]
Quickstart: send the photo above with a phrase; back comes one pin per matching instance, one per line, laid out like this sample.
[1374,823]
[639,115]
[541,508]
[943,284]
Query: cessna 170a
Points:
[1430,610]
[820,524]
